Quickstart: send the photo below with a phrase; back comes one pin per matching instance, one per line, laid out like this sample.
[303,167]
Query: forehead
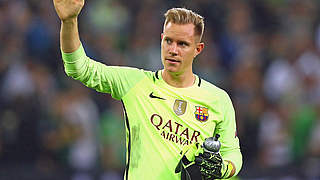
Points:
[179,31]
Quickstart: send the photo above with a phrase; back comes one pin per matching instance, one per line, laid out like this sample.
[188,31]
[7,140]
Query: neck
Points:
[178,80]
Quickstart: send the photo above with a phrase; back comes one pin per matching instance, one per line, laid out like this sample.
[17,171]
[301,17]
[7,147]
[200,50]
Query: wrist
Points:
[69,21]
[228,169]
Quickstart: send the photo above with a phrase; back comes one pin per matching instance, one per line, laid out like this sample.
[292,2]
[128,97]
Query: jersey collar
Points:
[197,83]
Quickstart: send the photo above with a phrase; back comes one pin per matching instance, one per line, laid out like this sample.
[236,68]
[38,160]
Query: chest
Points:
[176,115]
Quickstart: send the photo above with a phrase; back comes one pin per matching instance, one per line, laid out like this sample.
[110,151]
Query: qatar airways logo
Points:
[173,131]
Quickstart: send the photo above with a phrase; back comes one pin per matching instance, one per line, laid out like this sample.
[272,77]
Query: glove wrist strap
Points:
[228,167]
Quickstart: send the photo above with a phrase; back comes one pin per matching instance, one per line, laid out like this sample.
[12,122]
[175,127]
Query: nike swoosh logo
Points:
[156,97]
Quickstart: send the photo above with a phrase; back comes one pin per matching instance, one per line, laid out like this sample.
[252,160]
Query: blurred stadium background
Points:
[264,53]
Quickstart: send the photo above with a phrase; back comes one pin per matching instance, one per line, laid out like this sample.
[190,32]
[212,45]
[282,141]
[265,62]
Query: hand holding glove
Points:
[212,166]
[204,161]
[210,162]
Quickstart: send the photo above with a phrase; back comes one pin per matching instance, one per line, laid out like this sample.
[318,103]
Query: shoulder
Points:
[136,73]
[132,71]
[152,75]
[149,74]
[213,89]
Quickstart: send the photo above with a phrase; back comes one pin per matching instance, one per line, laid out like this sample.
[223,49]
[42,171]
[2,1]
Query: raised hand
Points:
[68,9]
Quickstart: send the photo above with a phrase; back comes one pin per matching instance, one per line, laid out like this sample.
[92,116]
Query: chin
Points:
[171,69]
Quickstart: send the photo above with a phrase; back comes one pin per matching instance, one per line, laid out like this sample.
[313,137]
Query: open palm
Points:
[68,9]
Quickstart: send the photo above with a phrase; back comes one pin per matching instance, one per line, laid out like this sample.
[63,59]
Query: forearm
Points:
[69,36]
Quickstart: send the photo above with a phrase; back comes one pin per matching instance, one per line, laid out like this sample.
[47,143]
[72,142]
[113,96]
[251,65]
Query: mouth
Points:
[172,60]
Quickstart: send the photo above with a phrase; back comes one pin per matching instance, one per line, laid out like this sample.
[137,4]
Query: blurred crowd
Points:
[265,54]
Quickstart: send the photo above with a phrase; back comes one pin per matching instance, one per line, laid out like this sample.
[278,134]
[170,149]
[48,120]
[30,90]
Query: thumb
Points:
[198,160]
[193,151]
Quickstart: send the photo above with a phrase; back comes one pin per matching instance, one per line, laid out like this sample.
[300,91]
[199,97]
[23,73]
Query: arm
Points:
[230,149]
[227,162]
[68,11]
[69,36]
[108,79]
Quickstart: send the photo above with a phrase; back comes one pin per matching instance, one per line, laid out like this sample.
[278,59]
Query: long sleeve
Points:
[115,80]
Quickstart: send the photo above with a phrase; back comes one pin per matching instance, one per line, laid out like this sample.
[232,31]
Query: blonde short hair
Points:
[185,16]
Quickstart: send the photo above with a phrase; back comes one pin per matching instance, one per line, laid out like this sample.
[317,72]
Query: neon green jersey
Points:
[160,119]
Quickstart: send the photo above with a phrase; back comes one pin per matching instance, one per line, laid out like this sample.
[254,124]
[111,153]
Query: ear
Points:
[199,48]
[161,36]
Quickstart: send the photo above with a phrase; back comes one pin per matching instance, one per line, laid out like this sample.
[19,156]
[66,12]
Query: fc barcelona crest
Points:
[201,113]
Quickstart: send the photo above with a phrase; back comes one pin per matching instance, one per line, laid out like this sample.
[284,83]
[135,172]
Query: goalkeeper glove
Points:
[186,166]
[212,166]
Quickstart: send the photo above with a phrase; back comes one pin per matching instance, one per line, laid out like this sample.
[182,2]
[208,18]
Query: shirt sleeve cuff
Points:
[236,159]
[71,57]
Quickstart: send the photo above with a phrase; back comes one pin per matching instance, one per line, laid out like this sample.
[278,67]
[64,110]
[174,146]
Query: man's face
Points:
[179,46]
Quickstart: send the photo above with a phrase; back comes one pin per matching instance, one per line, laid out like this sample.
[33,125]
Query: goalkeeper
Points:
[168,113]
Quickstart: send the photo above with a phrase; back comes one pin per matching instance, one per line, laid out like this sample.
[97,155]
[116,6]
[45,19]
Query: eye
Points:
[183,44]
[169,41]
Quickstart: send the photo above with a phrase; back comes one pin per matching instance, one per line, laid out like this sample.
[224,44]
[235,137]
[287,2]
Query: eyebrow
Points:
[178,41]
[185,42]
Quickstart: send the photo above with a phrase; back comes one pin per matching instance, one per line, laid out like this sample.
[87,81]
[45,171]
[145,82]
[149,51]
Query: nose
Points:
[173,49]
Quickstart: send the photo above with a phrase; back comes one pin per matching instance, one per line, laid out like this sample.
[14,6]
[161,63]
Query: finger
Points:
[207,173]
[198,160]
[206,154]
[215,158]
[210,173]
[209,165]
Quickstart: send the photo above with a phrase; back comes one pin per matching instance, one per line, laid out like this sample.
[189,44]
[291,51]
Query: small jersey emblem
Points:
[157,97]
[179,107]
[201,113]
